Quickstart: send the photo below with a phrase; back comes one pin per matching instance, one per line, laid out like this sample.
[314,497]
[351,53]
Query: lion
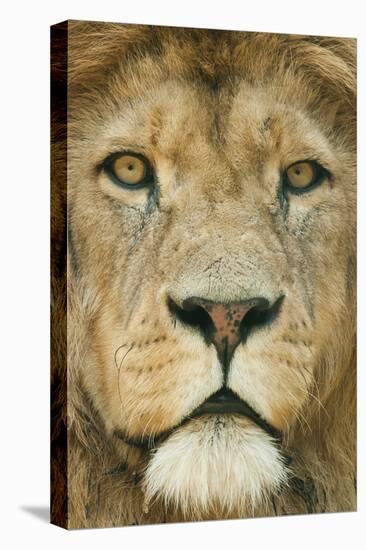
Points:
[204,360]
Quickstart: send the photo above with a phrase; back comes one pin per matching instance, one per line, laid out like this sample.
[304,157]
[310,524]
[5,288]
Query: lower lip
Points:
[220,408]
[235,407]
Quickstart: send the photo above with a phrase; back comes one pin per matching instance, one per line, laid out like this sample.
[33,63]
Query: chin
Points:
[216,466]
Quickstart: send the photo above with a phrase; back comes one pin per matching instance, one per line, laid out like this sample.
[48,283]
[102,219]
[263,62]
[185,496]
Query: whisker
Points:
[116,352]
[120,365]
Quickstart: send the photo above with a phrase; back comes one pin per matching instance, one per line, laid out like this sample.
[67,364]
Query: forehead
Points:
[111,65]
[184,98]
[182,117]
[147,85]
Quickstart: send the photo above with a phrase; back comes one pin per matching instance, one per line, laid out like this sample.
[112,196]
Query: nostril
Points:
[193,315]
[260,315]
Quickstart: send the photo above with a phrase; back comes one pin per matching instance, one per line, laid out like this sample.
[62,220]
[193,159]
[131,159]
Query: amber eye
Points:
[303,176]
[129,170]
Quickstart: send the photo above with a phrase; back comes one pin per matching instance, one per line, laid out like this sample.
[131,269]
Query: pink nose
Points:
[225,324]
[227,319]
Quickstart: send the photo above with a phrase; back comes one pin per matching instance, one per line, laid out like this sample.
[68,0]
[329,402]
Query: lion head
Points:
[211,225]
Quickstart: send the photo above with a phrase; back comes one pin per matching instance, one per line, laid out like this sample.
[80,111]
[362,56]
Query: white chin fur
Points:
[220,464]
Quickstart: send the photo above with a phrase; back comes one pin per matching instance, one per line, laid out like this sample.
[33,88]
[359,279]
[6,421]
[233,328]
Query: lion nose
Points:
[225,325]
[226,320]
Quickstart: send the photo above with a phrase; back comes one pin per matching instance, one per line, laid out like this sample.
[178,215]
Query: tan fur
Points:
[218,114]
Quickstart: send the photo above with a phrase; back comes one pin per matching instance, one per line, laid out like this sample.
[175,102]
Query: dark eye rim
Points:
[321,174]
[107,166]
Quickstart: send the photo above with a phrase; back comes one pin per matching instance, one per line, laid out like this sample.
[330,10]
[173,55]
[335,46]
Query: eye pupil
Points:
[129,170]
[304,175]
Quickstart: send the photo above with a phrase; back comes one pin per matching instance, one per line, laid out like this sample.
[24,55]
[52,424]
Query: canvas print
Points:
[203,274]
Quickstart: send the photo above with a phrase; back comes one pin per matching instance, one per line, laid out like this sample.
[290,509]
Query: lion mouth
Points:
[225,401]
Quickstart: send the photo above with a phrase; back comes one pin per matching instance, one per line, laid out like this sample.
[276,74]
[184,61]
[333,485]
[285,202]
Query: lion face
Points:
[208,228]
